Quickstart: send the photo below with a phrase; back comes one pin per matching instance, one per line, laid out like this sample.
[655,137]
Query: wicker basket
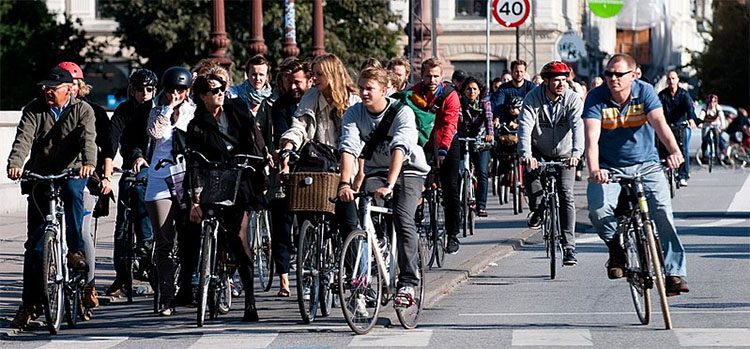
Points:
[310,191]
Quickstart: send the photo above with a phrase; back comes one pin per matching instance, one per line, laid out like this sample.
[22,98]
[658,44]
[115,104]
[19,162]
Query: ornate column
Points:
[218,40]
[290,48]
[257,44]
[318,46]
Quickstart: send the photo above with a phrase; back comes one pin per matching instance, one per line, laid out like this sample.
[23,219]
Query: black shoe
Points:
[616,263]
[569,257]
[534,220]
[251,314]
[453,245]
[676,285]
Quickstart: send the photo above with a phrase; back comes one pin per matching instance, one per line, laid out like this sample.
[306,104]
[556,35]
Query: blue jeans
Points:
[141,223]
[686,153]
[481,162]
[602,199]
[71,193]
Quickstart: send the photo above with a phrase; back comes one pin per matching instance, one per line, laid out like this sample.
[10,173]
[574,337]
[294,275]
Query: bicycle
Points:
[711,142]
[433,229]
[367,271]
[63,286]
[468,181]
[640,242]
[512,175]
[134,263]
[259,240]
[219,182]
[550,206]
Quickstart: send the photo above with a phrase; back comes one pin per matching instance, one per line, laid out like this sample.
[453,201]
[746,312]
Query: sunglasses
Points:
[215,91]
[610,74]
[173,89]
[142,89]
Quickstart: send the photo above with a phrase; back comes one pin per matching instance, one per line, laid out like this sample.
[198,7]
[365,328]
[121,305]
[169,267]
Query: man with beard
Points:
[517,87]
[550,128]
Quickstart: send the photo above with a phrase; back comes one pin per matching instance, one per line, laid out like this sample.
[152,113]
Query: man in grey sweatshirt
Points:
[550,128]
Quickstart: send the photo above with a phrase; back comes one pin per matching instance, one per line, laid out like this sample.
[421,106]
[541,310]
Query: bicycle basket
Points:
[310,191]
[216,186]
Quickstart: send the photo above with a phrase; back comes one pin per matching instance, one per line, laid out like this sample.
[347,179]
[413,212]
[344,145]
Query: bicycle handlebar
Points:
[67,173]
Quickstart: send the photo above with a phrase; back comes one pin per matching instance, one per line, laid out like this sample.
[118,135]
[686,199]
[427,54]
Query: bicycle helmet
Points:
[176,77]
[555,68]
[516,102]
[143,77]
[73,69]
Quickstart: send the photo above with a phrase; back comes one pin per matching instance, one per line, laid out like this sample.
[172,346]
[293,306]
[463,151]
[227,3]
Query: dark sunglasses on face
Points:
[148,89]
[216,90]
[173,89]
[610,74]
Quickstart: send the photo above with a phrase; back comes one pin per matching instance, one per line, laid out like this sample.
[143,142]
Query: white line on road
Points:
[713,337]
[741,202]
[219,341]
[673,312]
[393,338]
[83,342]
[555,337]
[589,239]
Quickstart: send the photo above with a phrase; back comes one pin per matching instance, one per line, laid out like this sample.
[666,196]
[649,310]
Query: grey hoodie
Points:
[358,125]
[559,137]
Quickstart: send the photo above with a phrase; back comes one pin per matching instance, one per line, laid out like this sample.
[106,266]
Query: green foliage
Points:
[176,32]
[724,67]
[31,43]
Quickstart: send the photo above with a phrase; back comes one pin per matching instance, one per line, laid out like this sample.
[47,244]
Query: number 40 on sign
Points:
[510,13]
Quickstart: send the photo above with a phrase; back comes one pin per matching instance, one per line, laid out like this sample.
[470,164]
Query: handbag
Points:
[317,157]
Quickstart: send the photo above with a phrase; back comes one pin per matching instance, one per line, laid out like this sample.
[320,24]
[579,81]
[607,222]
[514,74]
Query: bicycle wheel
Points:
[552,245]
[129,263]
[638,273]
[224,302]
[464,195]
[656,261]
[204,272]
[513,184]
[439,241]
[72,305]
[308,275]
[359,283]
[262,251]
[711,152]
[672,183]
[52,279]
[409,316]
[325,296]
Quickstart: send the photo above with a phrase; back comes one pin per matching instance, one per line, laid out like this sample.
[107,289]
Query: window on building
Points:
[100,13]
[636,43]
[468,9]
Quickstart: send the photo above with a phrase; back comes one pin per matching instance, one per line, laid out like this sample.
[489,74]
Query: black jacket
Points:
[128,130]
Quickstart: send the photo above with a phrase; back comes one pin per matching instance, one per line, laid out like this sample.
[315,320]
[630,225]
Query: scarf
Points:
[252,96]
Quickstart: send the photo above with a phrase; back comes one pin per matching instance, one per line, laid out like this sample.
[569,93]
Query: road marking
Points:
[92,342]
[393,338]
[219,341]
[552,337]
[605,313]
[740,202]
[720,223]
[713,337]
[589,239]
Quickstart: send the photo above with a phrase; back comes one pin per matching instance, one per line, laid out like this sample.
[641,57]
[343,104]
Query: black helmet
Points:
[516,102]
[177,77]
[143,77]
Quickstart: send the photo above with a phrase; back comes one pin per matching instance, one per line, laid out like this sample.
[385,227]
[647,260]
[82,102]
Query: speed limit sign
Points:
[511,13]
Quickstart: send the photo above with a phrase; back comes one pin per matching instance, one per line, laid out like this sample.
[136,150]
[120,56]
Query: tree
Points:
[724,67]
[31,43]
[175,32]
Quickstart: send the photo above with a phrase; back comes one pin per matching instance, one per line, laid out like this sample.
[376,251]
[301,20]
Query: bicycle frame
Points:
[365,217]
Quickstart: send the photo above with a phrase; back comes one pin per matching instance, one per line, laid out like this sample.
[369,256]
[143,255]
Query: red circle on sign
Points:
[513,24]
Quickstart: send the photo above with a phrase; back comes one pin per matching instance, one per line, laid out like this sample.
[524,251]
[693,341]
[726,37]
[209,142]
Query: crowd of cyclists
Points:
[314,104]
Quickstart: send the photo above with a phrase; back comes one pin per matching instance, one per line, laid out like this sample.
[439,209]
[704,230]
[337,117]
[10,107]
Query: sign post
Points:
[511,14]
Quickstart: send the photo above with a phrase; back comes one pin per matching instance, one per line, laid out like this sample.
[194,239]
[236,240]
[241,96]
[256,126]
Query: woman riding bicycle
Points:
[476,119]
[223,128]
[712,116]
[393,164]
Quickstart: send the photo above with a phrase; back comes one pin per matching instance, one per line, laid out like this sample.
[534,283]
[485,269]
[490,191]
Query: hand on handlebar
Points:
[14,173]
[86,171]
[573,161]
[346,193]
[139,164]
[675,160]
[530,162]
[599,176]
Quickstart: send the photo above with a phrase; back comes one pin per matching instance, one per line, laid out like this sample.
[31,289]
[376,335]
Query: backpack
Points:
[425,117]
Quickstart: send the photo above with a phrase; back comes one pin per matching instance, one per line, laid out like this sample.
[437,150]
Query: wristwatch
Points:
[389,185]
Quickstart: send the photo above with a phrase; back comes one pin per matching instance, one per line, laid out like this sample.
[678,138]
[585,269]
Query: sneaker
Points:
[166,311]
[676,285]
[482,213]
[404,297]
[534,220]
[683,182]
[306,293]
[616,262]
[569,257]
[90,299]
[453,245]
[24,315]
[360,307]
[77,261]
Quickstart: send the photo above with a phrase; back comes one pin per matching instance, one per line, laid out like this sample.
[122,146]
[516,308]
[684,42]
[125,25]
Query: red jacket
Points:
[446,118]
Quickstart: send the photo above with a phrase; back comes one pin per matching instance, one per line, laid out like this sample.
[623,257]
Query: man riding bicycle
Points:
[58,131]
[678,111]
[394,164]
[550,128]
[620,119]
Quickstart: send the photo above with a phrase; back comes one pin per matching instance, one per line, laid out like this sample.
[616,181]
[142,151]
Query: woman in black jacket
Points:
[221,129]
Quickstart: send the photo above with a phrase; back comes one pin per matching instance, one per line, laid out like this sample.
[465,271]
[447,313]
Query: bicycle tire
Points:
[53,297]
[224,303]
[440,239]
[360,293]
[464,195]
[474,207]
[711,152]
[130,260]
[672,183]
[72,304]
[656,261]
[263,259]
[308,277]
[515,190]
[204,273]
[409,317]
[553,230]
[325,296]
[639,273]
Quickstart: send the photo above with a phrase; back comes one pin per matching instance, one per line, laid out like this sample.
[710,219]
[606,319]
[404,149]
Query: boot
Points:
[616,263]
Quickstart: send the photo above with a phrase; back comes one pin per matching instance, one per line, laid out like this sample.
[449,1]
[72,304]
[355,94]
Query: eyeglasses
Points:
[610,74]
[216,90]
[173,89]
[52,88]
[142,89]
